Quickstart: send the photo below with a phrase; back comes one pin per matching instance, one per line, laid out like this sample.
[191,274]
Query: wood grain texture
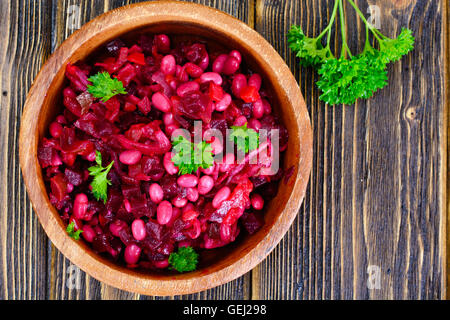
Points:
[446,28]
[23,249]
[376,195]
[377,190]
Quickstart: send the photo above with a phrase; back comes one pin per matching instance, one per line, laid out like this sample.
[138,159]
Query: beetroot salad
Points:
[162,150]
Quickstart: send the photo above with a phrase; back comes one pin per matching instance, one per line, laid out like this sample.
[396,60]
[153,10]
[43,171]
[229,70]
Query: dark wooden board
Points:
[377,194]
[377,190]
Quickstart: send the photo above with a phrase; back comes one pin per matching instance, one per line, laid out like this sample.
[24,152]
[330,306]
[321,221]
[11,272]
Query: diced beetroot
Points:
[150,130]
[114,46]
[139,206]
[152,166]
[215,92]
[82,148]
[113,108]
[144,105]
[99,110]
[129,107]
[219,124]
[146,43]
[126,74]
[213,230]
[51,171]
[210,243]
[58,185]
[207,210]
[105,217]
[258,181]
[134,48]
[102,242]
[131,191]
[133,99]
[170,186]
[126,236]
[115,200]
[64,206]
[124,215]
[196,52]
[105,129]
[250,94]
[144,90]
[195,105]
[67,138]
[156,88]
[45,156]
[232,208]
[108,64]
[73,106]
[73,176]
[135,171]
[154,229]
[231,113]
[135,132]
[121,59]
[137,57]
[68,158]
[252,222]
[245,109]
[78,79]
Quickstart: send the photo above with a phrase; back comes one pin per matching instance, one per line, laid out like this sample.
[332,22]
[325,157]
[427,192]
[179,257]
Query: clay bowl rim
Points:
[80,254]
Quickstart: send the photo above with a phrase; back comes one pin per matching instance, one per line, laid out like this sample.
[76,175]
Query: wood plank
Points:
[23,256]
[60,269]
[375,196]
[446,149]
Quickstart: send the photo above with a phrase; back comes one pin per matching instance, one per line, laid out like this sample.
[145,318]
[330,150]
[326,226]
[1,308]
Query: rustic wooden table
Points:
[376,200]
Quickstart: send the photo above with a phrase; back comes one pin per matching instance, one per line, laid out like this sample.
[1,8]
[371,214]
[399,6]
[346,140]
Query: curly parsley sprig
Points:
[184,260]
[105,87]
[246,139]
[189,157]
[71,231]
[100,182]
[348,77]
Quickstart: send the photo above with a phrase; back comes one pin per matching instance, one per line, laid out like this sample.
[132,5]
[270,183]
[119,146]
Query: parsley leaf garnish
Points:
[100,183]
[71,231]
[246,139]
[310,50]
[105,87]
[189,157]
[185,259]
[346,78]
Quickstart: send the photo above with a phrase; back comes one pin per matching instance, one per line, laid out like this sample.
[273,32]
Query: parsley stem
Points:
[375,32]
[330,24]
[345,47]
[367,45]
[332,19]
[361,15]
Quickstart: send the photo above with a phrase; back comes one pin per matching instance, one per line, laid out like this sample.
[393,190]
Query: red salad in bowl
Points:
[163,149]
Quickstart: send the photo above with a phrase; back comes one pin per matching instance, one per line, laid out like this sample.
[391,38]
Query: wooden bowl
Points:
[44,101]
